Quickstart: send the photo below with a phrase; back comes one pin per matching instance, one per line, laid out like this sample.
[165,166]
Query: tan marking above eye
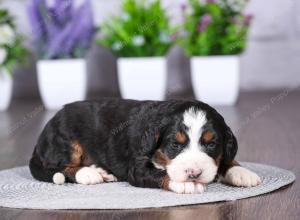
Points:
[180,137]
[208,136]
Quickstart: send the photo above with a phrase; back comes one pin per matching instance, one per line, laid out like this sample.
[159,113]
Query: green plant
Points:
[11,50]
[141,30]
[214,27]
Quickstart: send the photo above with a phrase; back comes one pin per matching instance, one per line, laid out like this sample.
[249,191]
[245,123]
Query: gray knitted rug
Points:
[19,190]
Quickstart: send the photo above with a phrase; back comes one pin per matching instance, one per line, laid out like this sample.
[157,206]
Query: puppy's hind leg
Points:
[88,175]
[106,176]
[84,175]
[78,170]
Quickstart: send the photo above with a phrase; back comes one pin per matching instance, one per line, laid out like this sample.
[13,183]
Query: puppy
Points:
[175,145]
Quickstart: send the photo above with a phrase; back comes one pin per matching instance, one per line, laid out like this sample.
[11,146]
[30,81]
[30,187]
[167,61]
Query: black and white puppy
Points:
[176,145]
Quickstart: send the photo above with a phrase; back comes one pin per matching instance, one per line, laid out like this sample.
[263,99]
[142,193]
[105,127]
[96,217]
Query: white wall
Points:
[271,61]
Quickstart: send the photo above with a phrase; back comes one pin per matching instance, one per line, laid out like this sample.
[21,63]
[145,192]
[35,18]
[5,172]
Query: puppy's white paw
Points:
[240,176]
[88,176]
[110,178]
[186,187]
[106,177]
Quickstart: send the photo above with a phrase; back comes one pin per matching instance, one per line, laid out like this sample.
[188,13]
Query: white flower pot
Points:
[6,87]
[142,78]
[215,79]
[61,81]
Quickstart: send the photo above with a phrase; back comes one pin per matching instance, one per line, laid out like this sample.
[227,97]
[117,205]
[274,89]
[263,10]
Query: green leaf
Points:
[16,53]
[225,35]
[137,19]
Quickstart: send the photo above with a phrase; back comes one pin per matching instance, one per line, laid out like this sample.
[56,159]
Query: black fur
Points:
[121,136]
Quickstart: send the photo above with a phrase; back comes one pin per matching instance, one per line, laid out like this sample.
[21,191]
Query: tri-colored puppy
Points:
[175,145]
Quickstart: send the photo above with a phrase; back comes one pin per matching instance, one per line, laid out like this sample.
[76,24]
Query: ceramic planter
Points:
[215,79]
[6,86]
[142,78]
[61,81]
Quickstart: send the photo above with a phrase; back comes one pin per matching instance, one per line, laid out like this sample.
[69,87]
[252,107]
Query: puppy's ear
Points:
[230,146]
[152,138]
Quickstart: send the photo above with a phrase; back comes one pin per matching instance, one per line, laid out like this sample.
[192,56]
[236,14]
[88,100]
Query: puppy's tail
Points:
[41,173]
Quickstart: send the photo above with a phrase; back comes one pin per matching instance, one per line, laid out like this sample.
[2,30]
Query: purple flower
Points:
[204,22]
[173,36]
[183,7]
[37,22]
[247,19]
[61,30]
[210,1]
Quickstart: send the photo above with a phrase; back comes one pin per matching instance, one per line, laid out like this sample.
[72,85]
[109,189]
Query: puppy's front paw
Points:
[240,176]
[88,176]
[186,187]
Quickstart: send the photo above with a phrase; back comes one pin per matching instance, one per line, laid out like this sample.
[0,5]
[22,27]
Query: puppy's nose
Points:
[193,174]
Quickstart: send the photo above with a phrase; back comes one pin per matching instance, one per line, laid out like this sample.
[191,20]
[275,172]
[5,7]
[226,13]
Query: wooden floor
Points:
[267,126]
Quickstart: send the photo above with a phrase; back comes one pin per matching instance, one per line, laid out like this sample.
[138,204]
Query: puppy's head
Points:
[194,145]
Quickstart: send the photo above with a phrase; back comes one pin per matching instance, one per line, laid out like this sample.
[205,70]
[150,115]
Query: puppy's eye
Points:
[211,145]
[176,146]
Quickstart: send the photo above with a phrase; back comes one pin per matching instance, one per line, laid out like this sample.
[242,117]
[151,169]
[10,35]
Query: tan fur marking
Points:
[230,165]
[165,183]
[234,163]
[180,137]
[75,160]
[160,158]
[208,136]
[218,161]
[76,153]
[71,171]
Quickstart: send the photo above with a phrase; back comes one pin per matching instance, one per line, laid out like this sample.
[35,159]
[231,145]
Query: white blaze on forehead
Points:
[192,157]
[194,120]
